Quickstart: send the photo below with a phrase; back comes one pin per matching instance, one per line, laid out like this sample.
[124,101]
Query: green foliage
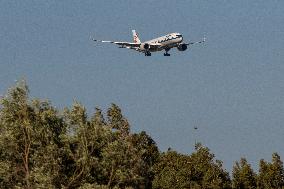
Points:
[42,147]
[117,121]
[128,158]
[198,170]
[28,140]
[149,153]
[172,171]
[243,176]
[93,186]
[271,175]
[78,147]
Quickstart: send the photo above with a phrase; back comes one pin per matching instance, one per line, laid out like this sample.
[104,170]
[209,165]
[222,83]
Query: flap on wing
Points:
[128,45]
[124,44]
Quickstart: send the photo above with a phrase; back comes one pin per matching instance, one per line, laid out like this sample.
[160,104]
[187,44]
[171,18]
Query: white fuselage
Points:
[168,41]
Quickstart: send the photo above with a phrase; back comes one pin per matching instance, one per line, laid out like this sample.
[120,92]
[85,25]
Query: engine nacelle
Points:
[182,47]
[145,46]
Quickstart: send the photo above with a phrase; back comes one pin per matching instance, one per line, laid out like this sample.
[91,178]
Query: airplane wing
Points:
[129,45]
[192,43]
[121,44]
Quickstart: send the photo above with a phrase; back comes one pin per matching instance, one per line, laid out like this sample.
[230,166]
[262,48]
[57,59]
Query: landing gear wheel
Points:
[167,50]
[147,53]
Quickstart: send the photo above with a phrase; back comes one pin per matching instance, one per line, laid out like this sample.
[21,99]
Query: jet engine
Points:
[145,46]
[182,47]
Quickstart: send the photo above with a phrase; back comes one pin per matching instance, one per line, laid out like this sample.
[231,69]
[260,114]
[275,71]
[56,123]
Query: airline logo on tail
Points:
[135,37]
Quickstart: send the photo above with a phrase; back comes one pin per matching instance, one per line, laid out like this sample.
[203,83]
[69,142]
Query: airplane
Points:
[165,42]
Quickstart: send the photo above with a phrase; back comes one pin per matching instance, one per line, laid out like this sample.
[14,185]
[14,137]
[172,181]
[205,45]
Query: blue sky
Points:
[231,87]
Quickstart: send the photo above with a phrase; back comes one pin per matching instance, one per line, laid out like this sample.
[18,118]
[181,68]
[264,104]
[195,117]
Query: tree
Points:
[149,153]
[16,136]
[28,141]
[49,127]
[41,147]
[198,170]
[84,143]
[271,175]
[243,176]
[117,121]
[103,153]
[121,159]
[173,170]
[208,172]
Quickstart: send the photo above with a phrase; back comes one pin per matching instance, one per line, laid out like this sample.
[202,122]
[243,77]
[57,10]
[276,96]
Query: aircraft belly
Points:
[156,49]
[170,45]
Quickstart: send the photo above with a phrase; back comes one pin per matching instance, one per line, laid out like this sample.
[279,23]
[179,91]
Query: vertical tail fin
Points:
[135,37]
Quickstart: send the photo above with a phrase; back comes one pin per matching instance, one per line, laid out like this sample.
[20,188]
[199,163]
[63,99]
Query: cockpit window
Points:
[179,35]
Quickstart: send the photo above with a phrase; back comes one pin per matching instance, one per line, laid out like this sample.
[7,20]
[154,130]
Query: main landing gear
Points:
[147,53]
[167,54]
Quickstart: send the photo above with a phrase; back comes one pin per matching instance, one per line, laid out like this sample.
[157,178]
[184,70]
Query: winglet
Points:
[93,39]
